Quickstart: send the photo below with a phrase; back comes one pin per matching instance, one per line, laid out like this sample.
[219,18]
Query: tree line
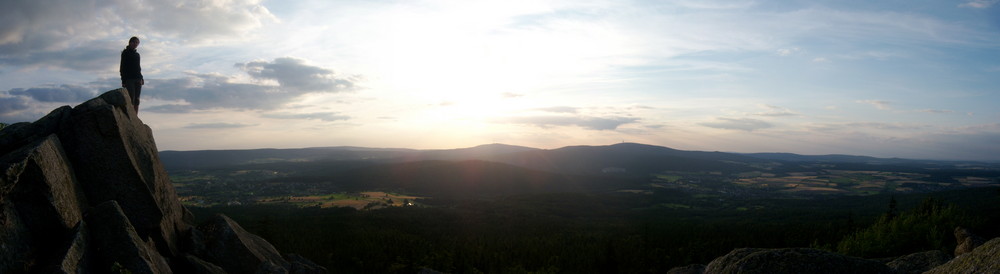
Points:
[582,233]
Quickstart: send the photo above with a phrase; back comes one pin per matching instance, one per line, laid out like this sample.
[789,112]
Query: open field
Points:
[852,182]
[363,200]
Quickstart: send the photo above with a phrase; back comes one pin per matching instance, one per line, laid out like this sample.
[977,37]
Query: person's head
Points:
[133,42]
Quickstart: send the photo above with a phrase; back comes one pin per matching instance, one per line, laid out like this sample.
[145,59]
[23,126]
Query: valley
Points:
[626,208]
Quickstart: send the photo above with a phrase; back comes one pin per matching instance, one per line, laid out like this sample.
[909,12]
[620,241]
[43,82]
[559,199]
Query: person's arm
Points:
[138,68]
[121,68]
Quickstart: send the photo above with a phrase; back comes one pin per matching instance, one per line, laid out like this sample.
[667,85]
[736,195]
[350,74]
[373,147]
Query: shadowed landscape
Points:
[622,208]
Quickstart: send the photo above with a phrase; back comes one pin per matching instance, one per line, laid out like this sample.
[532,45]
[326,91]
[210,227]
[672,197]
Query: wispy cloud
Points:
[879,104]
[511,95]
[787,51]
[562,109]
[217,125]
[775,111]
[936,111]
[587,122]
[855,126]
[324,116]
[746,124]
[979,4]
[170,108]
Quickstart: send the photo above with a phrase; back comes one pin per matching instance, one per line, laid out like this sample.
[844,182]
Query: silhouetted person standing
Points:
[131,71]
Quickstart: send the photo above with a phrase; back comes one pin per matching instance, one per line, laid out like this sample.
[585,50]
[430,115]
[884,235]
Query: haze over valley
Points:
[251,176]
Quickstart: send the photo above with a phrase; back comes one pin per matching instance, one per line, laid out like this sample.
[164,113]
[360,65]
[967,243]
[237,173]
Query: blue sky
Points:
[911,79]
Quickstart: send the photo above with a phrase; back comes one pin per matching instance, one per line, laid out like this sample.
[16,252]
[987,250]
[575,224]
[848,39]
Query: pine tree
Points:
[926,227]
[891,214]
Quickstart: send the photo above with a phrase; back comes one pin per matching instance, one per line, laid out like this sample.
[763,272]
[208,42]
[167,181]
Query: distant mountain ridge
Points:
[841,158]
[571,159]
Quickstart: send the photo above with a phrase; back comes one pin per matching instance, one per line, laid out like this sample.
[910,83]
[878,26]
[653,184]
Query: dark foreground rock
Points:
[235,249]
[82,190]
[791,260]
[918,262]
[690,269]
[983,259]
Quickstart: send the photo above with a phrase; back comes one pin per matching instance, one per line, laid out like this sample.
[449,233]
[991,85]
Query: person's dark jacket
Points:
[129,68]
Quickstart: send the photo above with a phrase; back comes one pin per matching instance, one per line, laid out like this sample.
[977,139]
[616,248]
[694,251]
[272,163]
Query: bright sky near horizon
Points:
[910,79]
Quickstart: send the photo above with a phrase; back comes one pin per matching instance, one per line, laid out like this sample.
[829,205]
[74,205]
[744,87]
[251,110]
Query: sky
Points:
[909,79]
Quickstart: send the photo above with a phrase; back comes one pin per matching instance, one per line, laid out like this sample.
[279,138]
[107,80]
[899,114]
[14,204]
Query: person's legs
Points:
[135,96]
[134,89]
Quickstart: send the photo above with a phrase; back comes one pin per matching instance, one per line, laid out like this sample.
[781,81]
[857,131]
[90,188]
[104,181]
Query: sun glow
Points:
[479,61]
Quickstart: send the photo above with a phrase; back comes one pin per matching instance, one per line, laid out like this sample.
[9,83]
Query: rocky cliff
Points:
[82,190]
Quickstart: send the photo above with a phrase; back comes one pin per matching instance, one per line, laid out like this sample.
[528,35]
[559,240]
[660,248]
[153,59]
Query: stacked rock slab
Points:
[82,190]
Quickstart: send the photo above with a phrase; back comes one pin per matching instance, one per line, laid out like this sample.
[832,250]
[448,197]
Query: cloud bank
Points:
[293,77]
[77,35]
[60,93]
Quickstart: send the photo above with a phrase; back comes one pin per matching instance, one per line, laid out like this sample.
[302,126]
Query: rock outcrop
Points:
[690,269]
[967,241]
[791,260]
[918,262]
[82,190]
[984,258]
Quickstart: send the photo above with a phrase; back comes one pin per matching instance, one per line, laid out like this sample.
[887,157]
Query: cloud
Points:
[511,95]
[85,35]
[46,25]
[879,104]
[978,4]
[199,20]
[95,56]
[746,124]
[324,116]
[787,52]
[204,91]
[217,125]
[214,91]
[61,93]
[23,105]
[593,123]
[936,111]
[294,74]
[775,111]
[170,108]
[854,126]
[278,83]
[12,105]
[559,109]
